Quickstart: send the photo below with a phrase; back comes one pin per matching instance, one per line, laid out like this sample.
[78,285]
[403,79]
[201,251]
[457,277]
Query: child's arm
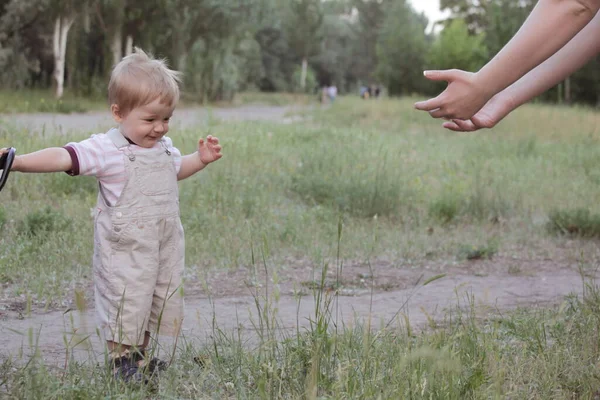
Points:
[208,151]
[551,24]
[552,71]
[53,159]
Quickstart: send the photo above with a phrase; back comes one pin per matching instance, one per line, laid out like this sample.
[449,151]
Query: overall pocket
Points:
[156,179]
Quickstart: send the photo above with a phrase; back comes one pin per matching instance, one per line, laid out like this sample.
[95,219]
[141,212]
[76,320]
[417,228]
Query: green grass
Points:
[30,101]
[528,354]
[273,99]
[405,190]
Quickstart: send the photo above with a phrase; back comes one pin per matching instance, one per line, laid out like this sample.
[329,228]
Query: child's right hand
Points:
[4,151]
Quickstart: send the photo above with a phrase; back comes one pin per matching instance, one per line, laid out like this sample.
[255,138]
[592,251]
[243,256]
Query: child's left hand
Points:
[209,149]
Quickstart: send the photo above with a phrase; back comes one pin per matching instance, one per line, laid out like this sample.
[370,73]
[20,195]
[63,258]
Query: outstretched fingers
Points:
[459,125]
[430,105]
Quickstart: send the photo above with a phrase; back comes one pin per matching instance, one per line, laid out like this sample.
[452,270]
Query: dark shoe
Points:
[202,360]
[145,363]
[126,369]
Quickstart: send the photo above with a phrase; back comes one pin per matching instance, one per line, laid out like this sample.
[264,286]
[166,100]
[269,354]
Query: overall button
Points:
[119,214]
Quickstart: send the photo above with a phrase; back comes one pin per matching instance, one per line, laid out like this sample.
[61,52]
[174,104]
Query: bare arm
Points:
[548,28]
[190,165]
[551,24]
[209,151]
[53,159]
[584,46]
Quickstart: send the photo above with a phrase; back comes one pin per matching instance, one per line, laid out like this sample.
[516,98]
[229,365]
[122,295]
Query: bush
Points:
[43,222]
[577,222]
[3,217]
[310,84]
[446,208]
[340,180]
[477,252]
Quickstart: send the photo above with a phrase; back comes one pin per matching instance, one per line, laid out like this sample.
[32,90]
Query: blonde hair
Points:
[139,79]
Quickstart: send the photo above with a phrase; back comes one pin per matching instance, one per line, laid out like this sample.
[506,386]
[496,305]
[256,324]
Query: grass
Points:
[30,101]
[527,354]
[404,190]
[273,99]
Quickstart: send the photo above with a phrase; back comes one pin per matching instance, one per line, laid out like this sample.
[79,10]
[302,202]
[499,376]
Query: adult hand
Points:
[463,97]
[492,112]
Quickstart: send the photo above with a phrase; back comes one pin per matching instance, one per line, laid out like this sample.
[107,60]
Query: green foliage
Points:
[401,49]
[347,182]
[212,70]
[44,222]
[371,16]
[574,222]
[502,20]
[32,101]
[304,25]
[478,252]
[310,84]
[3,217]
[456,48]
[336,61]
[446,208]
[260,44]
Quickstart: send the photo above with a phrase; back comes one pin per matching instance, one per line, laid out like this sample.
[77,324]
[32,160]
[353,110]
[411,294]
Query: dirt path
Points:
[100,121]
[49,331]
[391,290]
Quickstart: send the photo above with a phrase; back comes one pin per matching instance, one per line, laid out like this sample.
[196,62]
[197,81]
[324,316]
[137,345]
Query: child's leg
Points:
[119,349]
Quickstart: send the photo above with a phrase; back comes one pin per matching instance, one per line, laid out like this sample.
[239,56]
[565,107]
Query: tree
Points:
[456,48]
[65,14]
[304,31]
[23,52]
[371,16]
[401,49]
[334,63]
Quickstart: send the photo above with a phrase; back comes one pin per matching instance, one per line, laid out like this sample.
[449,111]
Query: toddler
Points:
[138,237]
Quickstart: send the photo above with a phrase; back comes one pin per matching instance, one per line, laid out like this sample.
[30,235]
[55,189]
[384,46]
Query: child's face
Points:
[145,125]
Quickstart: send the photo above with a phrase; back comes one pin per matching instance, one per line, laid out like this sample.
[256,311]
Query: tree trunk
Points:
[559,93]
[62,25]
[304,73]
[568,90]
[129,45]
[181,60]
[117,45]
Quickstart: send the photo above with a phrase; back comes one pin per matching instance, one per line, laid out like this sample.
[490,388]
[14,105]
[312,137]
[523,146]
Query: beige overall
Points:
[139,250]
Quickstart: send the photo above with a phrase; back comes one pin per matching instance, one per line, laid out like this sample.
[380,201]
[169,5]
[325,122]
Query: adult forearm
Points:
[551,24]
[53,159]
[584,46]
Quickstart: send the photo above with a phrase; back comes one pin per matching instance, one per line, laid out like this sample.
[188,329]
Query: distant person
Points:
[324,94]
[377,92]
[556,39]
[364,92]
[138,238]
[332,93]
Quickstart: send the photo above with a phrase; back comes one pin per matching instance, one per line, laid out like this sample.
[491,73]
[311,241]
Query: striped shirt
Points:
[99,157]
